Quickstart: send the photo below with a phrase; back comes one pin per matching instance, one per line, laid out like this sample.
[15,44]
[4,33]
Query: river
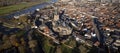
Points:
[28,10]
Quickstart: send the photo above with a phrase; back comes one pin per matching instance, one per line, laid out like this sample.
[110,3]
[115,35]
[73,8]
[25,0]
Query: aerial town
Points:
[61,26]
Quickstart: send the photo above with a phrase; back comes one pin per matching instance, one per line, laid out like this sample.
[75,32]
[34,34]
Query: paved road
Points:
[94,23]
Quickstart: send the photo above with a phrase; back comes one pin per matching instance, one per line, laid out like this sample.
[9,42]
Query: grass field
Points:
[17,7]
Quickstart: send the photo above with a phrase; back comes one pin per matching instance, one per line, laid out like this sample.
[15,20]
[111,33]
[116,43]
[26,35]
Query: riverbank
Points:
[18,7]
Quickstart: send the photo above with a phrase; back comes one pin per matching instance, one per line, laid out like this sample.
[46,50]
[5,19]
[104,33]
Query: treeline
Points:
[11,2]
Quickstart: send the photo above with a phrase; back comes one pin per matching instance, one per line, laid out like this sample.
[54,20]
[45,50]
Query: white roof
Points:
[86,34]
[93,35]
[85,29]
[77,39]
[34,27]
[16,17]
[37,9]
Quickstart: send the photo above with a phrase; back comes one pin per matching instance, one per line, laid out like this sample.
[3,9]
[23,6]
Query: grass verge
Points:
[12,8]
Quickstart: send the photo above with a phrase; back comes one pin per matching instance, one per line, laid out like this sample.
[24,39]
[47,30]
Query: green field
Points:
[17,7]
